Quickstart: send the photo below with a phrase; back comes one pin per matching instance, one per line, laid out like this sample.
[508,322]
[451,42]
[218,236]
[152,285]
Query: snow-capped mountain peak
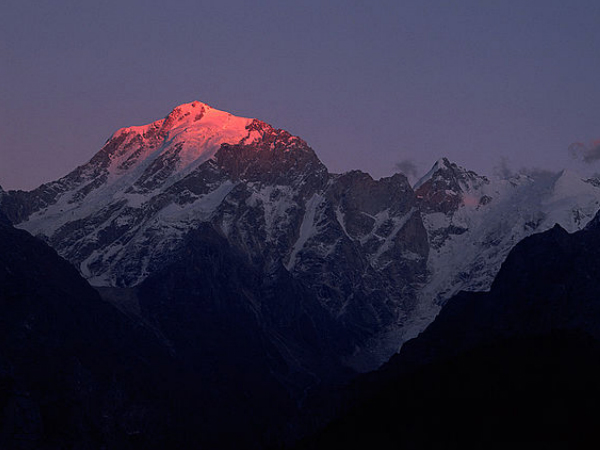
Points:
[447,186]
[440,165]
[163,179]
[168,174]
[190,135]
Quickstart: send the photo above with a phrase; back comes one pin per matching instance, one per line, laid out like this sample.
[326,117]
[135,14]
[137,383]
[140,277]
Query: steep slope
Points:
[97,215]
[521,360]
[548,282]
[474,221]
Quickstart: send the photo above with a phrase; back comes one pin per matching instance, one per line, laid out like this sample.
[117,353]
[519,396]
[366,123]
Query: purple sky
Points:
[367,84]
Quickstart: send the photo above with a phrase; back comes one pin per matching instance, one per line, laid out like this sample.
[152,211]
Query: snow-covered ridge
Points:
[191,134]
[139,162]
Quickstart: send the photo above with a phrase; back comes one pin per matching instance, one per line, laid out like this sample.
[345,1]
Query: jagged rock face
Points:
[358,244]
[447,186]
[443,191]
[472,223]
[117,216]
[362,237]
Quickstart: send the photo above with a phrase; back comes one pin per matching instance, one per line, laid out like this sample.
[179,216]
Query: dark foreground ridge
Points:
[517,364]
[74,371]
[193,360]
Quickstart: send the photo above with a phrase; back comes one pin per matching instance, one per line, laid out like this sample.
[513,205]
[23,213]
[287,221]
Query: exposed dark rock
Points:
[443,191]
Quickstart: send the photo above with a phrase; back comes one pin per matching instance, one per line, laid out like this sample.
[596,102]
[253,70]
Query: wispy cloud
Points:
[588,153]
[538,173]
[502,169]
[408,168]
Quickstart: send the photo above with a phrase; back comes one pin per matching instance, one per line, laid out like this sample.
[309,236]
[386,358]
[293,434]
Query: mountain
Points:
[355,243]
[380,256]
[521,360]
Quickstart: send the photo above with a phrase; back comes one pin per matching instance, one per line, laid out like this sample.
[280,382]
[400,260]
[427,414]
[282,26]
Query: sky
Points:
[375,85]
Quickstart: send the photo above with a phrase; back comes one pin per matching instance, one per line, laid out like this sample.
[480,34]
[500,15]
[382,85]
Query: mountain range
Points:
[260,275]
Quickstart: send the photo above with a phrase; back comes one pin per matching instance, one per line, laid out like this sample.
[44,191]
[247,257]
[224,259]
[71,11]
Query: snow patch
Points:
[389,240]
[307,228]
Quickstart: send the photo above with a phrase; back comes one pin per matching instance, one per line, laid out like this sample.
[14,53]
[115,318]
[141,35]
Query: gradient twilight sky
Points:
[368,84]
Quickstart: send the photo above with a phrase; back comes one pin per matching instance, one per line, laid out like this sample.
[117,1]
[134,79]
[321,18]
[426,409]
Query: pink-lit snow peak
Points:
[190,134]
[193,120]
